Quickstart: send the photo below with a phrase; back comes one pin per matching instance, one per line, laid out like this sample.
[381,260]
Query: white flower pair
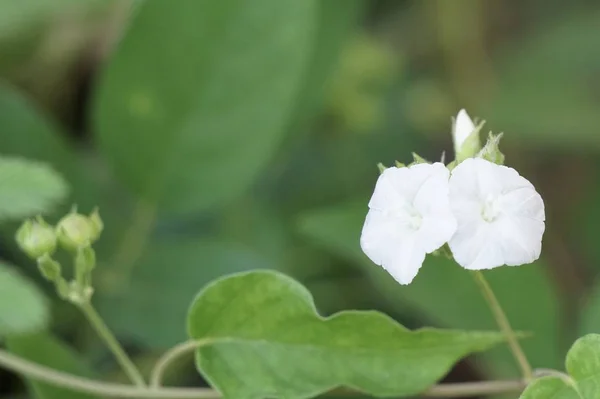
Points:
[487,213]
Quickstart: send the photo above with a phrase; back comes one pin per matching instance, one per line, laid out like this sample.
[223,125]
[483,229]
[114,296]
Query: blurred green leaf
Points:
[190,113]
[164,281]
[546,84]
[446,294]
[550,388]
[17,15]
[28,188]
[583,365]
[23,308]
[590,313]
[49,351]
[583,381]
[27,133]
[268,320]
[336,18]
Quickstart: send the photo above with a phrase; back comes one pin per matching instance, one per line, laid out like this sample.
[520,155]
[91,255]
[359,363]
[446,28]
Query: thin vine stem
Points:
[170,356]
[85,385]
[113,345]
[504,325]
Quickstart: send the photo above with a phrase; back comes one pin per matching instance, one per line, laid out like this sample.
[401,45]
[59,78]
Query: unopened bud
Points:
[76,230]
[491,151]
[465,135]
[36,238]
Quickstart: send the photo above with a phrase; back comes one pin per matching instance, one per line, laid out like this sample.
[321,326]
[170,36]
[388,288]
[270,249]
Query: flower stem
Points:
[504,325]
[113,345]
[85,385]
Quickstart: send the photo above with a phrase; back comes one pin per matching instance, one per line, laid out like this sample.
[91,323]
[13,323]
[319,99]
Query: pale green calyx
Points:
[76,230]
[417,159]
[49,268]
[491,151]
[36,238]
[465,135]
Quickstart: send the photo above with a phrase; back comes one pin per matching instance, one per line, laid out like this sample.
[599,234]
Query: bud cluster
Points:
[74,233]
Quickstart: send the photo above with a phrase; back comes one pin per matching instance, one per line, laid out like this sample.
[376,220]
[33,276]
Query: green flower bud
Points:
[36,238]
[491,150]
[76,230]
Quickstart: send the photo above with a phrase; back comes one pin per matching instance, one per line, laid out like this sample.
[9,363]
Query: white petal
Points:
[397,187]
[463,127]
[388,243]
[432,202]
[409,217]
[514,235]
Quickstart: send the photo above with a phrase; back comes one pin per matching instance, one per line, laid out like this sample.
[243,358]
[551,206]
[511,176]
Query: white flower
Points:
[463,127]
[409,217]
[500,216]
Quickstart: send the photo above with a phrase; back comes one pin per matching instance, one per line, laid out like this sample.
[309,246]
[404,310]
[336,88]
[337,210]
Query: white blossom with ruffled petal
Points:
[499,213]
[409,216]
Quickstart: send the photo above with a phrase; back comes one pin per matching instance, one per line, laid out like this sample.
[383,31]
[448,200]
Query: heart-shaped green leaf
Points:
[267,340]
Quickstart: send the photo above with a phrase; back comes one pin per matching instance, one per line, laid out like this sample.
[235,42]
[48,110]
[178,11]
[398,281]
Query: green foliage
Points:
[524,292]
[269,321]
[153,308]
[583,381]
[23,308]
[44,349]
[190,125]
[18,15]
[550,388]
[28,188]
[549,74]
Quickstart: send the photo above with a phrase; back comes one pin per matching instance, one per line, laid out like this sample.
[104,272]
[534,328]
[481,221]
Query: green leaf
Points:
[28,188]
[23,308]
[190,125]
[164,281]
[549,388]
[583,380]
[49,351]
[583,365]
[24,13]
[336,18]
[268,320]
[525,293]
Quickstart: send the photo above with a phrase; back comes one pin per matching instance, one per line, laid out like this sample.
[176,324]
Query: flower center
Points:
[415,220]
[490,211]
[408,215]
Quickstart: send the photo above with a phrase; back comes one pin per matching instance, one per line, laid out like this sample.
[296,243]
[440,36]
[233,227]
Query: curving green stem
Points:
[504,325]
[79,384]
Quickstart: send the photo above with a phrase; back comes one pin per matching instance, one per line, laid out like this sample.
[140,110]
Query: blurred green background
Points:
[224,136]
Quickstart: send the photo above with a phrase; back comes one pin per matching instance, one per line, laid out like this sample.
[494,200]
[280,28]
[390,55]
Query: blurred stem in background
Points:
[131,247]
[461,35]
[504,325]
